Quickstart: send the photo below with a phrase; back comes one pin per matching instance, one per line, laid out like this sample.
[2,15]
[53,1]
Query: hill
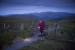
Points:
[55,16]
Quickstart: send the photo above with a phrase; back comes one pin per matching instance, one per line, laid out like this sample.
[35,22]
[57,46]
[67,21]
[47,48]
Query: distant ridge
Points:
[57,16]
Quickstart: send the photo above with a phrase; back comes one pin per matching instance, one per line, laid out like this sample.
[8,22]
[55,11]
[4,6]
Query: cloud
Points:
[42,2]
[29,6]
[30,9]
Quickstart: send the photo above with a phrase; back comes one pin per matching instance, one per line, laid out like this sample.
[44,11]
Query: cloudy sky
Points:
[32,6]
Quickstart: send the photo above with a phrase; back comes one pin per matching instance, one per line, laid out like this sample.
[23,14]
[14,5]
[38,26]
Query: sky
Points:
[8,7]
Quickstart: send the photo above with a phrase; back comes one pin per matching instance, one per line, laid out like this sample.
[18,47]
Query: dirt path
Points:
[18,45]
[24,42]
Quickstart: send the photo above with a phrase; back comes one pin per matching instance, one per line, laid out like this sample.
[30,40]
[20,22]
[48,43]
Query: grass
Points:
[66,32]
[26,34]
[6,36]
[68,29]
[39,45]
